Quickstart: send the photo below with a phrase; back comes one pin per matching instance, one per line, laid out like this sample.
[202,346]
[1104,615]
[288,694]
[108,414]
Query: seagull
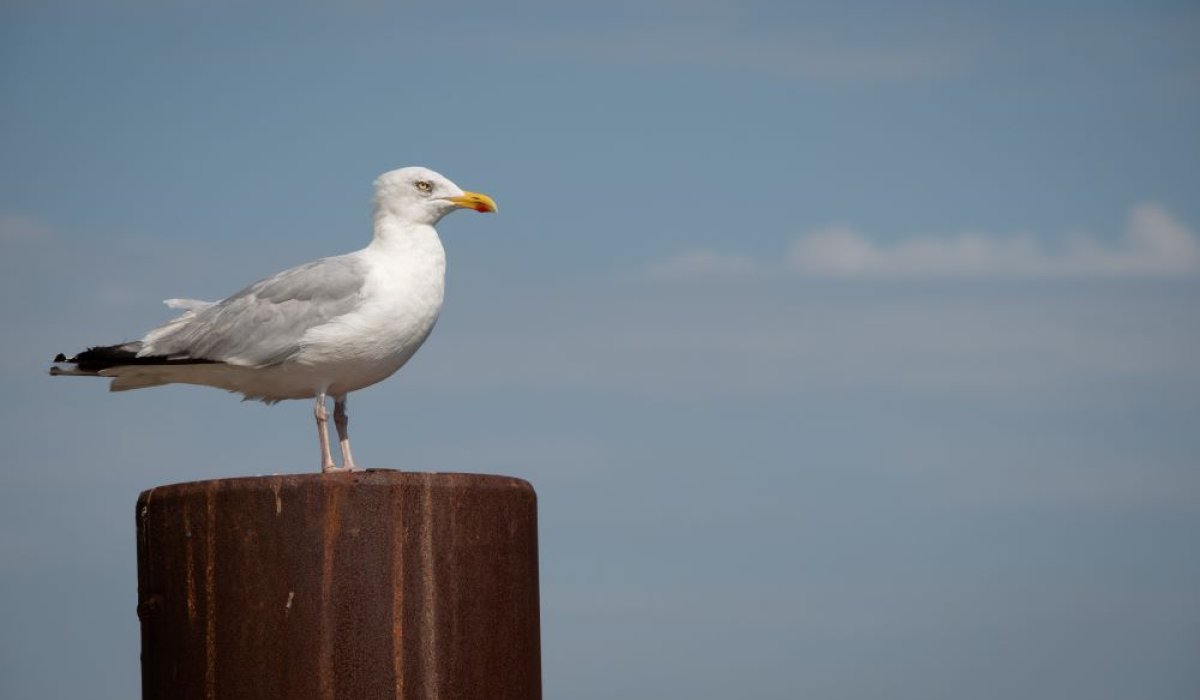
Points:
[323,329]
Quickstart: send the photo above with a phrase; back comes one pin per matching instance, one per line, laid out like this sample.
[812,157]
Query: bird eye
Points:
[425,186]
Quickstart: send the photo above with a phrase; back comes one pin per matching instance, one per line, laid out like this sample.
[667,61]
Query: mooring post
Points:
[351,586]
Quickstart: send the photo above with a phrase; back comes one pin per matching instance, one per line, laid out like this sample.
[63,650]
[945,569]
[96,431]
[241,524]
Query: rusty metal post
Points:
[363,585]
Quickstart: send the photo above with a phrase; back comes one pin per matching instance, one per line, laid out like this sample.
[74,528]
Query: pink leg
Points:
[342,422]
[327,464]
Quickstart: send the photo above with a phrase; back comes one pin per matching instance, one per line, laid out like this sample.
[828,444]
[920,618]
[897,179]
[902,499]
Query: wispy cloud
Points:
[20,229]
[811,59]
[890,44]
[706,263]
[1153,244]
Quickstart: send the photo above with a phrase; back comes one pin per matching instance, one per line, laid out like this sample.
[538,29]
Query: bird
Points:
[317,331]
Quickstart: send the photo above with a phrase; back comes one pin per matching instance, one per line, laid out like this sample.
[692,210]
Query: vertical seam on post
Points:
[189,549]
[210,593]
[432,675]
[398,522]
[330,530]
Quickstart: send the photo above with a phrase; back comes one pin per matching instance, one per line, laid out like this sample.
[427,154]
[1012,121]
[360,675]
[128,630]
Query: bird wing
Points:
[263,324]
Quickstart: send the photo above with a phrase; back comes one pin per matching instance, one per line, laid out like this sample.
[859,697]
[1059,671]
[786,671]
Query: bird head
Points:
[418,195]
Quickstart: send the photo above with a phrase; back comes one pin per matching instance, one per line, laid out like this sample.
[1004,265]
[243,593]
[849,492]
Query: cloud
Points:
[812,57]
[811,60]
[1153,244]
[840,251]
[705,263]
[19,229]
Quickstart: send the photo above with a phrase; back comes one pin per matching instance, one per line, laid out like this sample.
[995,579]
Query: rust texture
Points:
[362,585]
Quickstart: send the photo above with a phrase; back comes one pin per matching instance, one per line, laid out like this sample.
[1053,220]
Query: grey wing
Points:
[263,324]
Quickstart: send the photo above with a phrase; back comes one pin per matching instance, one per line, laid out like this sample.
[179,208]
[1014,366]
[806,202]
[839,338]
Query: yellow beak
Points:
[474,200]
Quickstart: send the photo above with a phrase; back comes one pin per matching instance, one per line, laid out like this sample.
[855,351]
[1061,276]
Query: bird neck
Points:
[396,235]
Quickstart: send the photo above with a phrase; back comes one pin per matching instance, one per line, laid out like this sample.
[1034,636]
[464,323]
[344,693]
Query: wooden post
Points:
[361,585]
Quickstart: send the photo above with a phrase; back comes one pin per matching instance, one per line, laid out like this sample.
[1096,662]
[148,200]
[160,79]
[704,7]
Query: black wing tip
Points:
[102,357]
[97,358]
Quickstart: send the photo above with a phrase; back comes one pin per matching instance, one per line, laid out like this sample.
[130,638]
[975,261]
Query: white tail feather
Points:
[192,305]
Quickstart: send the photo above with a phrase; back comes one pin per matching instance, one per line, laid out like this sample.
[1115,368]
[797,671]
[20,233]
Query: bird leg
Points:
[342,422]
[327,464]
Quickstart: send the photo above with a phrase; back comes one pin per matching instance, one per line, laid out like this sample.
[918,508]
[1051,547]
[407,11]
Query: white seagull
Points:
[325,328]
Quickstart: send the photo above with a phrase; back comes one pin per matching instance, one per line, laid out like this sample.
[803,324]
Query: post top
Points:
[368,478]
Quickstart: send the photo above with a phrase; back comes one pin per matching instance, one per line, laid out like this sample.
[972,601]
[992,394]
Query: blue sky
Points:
[851,347]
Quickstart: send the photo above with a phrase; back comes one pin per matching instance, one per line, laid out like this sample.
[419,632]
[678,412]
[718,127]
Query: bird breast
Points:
[401,300]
